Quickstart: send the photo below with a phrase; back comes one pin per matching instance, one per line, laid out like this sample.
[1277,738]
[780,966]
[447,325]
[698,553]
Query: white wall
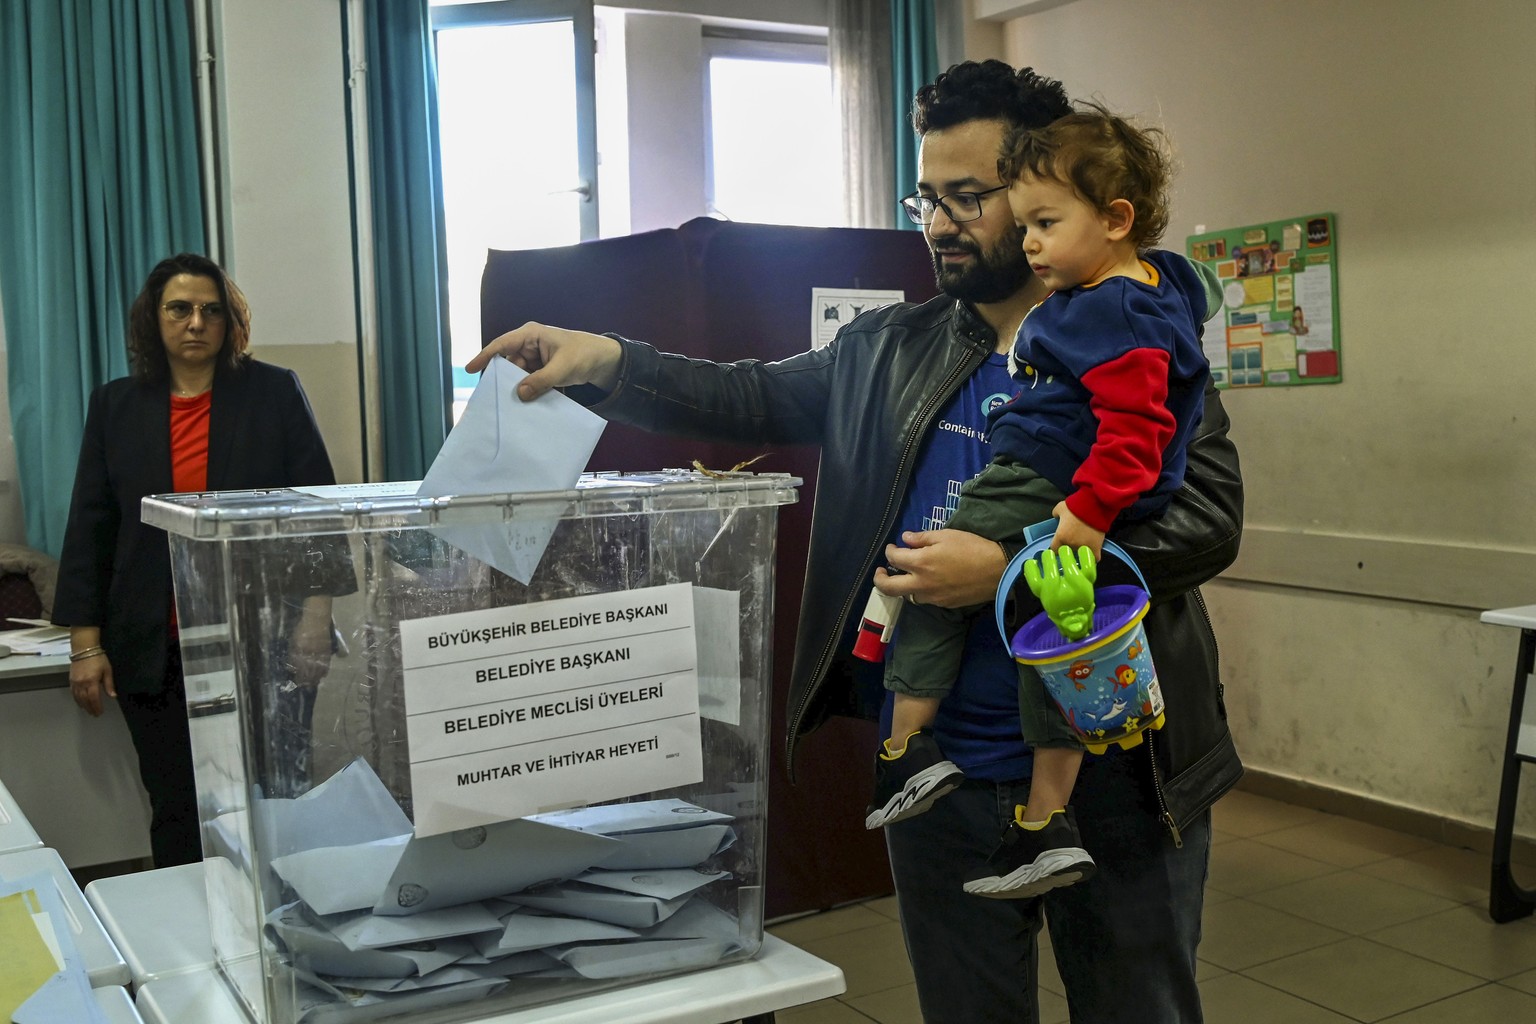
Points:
[288,216]
[664,69]
[1384,511]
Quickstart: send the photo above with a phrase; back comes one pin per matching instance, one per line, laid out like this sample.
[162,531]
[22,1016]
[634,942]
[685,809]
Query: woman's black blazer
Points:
[115,571]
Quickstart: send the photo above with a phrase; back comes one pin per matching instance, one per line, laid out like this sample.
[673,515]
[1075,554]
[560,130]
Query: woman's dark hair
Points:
[146,349]
[1102,158]
[989,90]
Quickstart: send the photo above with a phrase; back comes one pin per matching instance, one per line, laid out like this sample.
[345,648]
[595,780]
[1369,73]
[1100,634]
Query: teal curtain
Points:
[98,182]
[409,240]
[914,63]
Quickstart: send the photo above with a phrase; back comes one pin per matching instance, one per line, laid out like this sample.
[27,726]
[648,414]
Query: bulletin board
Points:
[1279,322]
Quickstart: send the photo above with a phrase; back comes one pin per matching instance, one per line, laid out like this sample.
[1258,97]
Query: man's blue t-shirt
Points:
[978,723]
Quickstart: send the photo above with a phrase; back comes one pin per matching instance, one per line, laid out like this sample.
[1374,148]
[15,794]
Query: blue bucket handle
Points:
[1037,538]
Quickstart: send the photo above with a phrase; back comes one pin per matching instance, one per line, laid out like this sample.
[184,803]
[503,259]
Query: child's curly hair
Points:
[1102,157]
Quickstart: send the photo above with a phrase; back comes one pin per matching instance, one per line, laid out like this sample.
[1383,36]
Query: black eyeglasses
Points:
[957,206]
[213,312]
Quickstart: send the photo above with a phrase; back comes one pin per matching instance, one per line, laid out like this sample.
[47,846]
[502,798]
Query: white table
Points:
[77,777]
[16,832]
[116,1005]
[779,977]
[104,965]
[1507,901]
[158,921]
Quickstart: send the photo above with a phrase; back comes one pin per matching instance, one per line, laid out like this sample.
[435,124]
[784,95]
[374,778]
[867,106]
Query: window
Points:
[509,80]
[774,155]
[738,124]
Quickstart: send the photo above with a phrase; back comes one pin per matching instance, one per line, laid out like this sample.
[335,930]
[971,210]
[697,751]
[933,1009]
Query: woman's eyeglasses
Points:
[213,312]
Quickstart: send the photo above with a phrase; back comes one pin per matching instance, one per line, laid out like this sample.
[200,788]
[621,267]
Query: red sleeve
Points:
[1129,395]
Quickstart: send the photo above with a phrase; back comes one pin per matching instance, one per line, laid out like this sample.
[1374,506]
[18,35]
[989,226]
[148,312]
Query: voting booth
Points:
[534,765]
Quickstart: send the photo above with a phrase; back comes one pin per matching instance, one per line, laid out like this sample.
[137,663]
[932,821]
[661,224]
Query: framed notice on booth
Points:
[1279,322]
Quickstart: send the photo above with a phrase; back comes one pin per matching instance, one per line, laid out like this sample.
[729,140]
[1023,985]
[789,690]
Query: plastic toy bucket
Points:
[1105,683]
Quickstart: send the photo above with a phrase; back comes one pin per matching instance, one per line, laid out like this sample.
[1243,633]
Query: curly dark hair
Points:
[1102,157]
[988,90]
[146,349]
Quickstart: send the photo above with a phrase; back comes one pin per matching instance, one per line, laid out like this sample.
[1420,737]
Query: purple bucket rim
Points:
[1127,602]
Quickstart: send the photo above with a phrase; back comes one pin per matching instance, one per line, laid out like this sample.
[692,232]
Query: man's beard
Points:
[995,274]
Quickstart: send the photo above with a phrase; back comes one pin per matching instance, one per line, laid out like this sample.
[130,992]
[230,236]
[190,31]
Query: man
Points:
[898,404]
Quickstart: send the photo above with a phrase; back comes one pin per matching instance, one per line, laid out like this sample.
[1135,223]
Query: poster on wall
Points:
[1280,312]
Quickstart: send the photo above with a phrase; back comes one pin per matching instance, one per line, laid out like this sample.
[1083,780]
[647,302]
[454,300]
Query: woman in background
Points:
[196,414]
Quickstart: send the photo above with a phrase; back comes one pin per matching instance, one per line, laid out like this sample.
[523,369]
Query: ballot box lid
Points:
[351,508]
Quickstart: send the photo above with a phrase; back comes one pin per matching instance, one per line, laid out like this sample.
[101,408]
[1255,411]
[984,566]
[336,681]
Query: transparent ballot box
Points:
[460,755]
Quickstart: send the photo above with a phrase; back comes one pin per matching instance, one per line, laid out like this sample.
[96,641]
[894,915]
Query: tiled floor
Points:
[1309,919]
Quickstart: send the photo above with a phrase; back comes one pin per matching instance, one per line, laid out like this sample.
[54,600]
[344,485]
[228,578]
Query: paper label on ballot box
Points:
[511,711]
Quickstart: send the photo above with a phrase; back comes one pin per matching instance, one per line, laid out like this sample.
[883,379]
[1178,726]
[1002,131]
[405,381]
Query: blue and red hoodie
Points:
[1113,383]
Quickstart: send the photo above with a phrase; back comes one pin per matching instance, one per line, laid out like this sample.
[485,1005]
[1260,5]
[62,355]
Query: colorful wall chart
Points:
[1279,322]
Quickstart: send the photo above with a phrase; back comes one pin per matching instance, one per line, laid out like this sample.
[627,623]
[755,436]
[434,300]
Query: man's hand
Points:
[1065,591]
[554,358]
[88,680]
[948,568]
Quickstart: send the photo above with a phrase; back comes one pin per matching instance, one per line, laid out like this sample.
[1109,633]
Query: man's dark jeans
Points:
[1124,940]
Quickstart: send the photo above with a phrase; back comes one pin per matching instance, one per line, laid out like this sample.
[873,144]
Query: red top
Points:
[189,442]
[189,452]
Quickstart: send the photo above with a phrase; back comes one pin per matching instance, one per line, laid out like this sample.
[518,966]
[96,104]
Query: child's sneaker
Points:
[1029,862]
[907,785]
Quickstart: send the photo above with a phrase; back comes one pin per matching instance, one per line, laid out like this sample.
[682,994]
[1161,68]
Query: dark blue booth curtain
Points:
[914,63]
[98,182]
[410,253]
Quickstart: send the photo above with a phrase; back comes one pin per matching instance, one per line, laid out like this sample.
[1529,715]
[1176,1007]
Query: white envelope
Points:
[673,848]
[349,808]
[503,445]
[333,879]
[366,931]
[638,816]
[648,957]
[312,948]
[484,861]
[525,930]
[664,884]
[621,908]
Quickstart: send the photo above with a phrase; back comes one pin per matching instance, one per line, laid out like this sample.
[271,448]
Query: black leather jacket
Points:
[869,399]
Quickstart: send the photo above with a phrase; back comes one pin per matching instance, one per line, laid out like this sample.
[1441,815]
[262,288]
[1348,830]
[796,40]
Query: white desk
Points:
[158,920]
[104,965]
[116,1005]
[76,777]
[779,977]
[16,832]
[1507,901]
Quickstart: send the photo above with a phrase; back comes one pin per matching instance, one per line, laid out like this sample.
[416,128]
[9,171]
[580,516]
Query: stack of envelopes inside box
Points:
[368,914]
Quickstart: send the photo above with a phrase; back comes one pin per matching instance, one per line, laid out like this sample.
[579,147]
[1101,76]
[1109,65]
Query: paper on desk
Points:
[504,445]
[44,640]
[484,861]
[41,982]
